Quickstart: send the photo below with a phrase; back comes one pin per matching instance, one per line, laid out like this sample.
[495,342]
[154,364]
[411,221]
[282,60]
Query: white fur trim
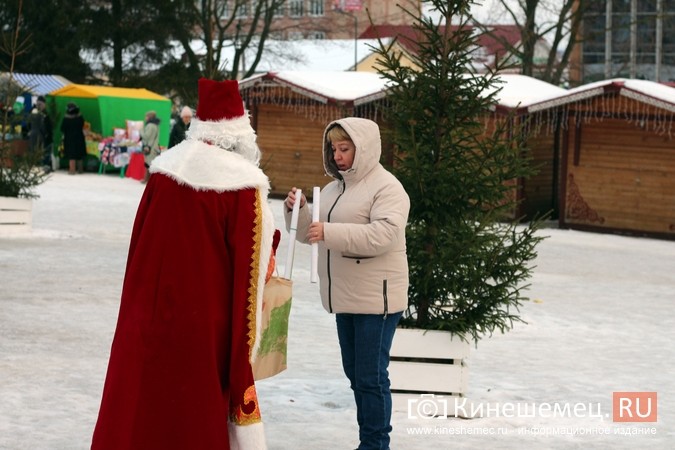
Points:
[247,437]
[235,135]
[205,167]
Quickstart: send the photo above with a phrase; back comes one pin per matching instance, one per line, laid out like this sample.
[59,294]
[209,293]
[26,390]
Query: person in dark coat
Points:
[180,127]
[42,133]
[35,133]
[74,146]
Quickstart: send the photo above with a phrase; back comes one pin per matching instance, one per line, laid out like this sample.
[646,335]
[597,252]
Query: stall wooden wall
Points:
[536,194]
[619,172]
[291,150]
[539,192]
[289,128]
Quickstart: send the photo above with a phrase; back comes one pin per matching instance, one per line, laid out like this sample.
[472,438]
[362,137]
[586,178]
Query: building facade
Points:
[628,39]
[328,19]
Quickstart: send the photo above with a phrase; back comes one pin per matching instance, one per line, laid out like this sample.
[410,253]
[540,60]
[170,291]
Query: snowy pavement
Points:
[601,320]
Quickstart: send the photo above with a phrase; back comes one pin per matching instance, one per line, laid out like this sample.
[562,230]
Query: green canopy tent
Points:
[106,108]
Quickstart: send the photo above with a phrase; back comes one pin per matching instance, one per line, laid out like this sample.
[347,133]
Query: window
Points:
[594,40]
[296,8]
[646,33]
[621,35]
[225,10]
[596,7]
[280,10]
[668,38]
[645,58]
[619,6]
[594,58]
[242,9]
[316,8]
[648,6]
[316,35]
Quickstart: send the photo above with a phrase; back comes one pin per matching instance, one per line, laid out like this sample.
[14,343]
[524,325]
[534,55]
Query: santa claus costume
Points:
[179,375]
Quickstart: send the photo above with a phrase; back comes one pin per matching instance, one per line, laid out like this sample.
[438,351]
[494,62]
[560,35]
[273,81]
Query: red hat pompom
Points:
[219,100]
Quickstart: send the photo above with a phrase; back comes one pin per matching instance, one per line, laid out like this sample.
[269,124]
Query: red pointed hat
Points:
[222,120]
[219,100]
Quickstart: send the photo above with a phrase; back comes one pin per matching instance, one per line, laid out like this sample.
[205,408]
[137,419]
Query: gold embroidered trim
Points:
[255,272]
[239,417]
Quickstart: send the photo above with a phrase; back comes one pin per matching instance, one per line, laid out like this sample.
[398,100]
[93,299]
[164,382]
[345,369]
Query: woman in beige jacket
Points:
[363,267]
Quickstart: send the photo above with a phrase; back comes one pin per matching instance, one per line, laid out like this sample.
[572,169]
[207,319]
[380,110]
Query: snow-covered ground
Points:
[601,320]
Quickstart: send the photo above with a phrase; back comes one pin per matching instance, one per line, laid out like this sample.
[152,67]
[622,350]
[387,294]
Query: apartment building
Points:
[331,19]
[626,38]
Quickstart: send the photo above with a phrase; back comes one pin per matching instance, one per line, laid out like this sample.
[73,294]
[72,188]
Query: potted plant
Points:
[20,168]
[20,173]
[469,263]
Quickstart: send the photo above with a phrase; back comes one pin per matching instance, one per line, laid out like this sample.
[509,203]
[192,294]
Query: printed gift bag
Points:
[277,296]
[271,357]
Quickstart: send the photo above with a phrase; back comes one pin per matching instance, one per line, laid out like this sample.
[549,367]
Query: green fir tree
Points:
[469,259]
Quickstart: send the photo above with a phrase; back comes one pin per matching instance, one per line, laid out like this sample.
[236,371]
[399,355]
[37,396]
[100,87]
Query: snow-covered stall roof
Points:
[362,87]
[518,91]
[525,95]
[649,92]
[322,94]
[653,99]
[325,86]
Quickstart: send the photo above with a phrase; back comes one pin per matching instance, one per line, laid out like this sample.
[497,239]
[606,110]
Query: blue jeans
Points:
[365,341]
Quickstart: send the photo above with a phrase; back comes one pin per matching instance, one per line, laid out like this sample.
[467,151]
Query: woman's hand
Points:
[315,232]
[290,199]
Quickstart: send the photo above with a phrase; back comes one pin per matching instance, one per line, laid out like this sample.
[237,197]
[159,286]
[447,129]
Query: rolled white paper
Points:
[316,193]
[292,232]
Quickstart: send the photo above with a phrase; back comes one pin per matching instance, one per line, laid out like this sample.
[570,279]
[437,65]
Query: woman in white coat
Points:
[363,267]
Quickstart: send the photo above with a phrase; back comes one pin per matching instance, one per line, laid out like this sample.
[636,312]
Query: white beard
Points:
[234,135]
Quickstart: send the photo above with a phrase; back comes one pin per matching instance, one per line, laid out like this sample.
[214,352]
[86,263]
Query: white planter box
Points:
[16,215]
[427,362]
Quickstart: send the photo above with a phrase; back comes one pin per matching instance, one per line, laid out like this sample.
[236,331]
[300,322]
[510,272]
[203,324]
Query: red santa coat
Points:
[179,375]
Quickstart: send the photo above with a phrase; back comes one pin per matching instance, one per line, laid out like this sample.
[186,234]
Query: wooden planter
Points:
[428,362]
[16,215]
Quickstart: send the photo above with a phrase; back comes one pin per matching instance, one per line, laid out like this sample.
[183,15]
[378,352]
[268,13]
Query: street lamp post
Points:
[351,13]
[356,39]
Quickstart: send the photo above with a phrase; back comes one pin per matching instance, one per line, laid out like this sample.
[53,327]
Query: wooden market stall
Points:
[617,156]
[536,194]
[290,110]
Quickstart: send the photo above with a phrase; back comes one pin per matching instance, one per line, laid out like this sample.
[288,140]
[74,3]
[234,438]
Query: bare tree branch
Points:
[561,31]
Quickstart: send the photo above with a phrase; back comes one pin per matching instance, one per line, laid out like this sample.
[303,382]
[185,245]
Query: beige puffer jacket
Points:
[363,267]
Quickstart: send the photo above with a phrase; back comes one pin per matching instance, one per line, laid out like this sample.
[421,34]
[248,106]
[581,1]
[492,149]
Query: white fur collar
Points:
[207,167]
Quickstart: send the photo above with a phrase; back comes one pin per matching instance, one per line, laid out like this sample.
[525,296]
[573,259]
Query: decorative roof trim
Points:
[644,98]
[370,98]
[563,100]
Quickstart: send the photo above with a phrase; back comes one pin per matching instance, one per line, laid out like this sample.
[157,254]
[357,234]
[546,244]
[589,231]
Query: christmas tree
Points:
[469,257]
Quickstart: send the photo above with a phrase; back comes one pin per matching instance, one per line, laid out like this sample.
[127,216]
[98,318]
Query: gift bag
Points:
[277,295]
[271,357]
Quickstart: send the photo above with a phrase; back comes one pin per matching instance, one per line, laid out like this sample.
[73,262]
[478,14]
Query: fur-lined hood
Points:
[365,135]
